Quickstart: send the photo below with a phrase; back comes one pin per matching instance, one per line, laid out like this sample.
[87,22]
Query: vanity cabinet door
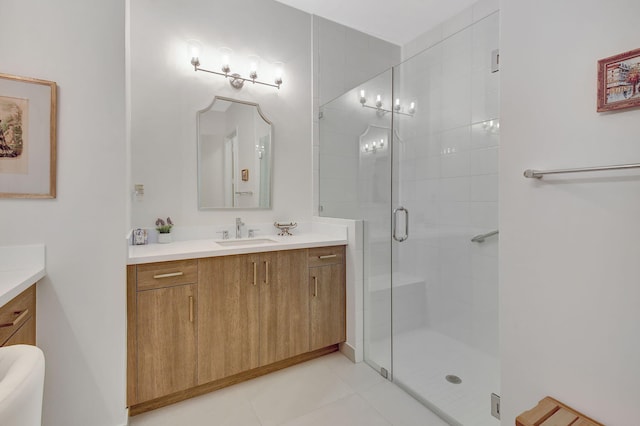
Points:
[284,306]
[228,334]
[328,298]
[26,335]
[15,315]
[166,334]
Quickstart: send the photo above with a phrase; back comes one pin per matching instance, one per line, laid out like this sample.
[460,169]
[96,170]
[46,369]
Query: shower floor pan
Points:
[423,358]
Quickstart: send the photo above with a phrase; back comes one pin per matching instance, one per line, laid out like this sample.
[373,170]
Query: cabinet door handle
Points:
[20,317]
[255,273]
[266,272]
[172,274]
[328,256]
[315,286]
[190,308]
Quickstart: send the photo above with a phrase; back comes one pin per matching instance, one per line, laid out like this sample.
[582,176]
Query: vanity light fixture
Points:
[397,108]
[235,79]
[491,126]
[373,147]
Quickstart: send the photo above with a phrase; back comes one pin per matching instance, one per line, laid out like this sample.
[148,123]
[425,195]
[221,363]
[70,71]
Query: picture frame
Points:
[245,175]
[28,127]
[619,81]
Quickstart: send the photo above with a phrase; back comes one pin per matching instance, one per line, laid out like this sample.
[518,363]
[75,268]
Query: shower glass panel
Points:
[445,287]
[355,183]
[421,171]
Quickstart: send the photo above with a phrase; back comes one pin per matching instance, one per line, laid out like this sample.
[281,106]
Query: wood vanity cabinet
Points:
[202,324]
[165,329]
[284,308]
[328,297]
[18,319]
[253,311]
[228,317]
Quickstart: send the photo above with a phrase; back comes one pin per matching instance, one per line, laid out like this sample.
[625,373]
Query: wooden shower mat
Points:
[550,412]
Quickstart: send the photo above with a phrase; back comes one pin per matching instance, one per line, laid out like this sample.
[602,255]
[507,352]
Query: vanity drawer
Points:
[326,256]
[165,274]
[16,313]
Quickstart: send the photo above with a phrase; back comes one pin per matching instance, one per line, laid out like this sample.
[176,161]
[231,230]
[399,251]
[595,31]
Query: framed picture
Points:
[619,81]
[27,137]
[245,175]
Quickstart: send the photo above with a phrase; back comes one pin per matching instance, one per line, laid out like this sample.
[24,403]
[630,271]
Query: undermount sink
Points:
[247,242]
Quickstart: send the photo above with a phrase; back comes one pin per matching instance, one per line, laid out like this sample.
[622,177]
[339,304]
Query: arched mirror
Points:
[235,156]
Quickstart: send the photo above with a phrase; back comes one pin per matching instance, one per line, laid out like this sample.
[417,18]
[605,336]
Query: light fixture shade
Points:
[225,58]
[278,73]
[254,64]
[194,48]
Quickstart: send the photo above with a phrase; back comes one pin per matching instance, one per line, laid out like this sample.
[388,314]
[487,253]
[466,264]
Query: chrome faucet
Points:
[239,225]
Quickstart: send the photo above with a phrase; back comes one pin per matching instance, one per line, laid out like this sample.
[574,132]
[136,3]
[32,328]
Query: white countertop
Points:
[20,267]
[179,250]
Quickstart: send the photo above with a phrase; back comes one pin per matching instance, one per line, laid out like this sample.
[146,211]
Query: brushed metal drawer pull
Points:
[255,273]
[266,272]
[328,256]
[16,321]
[172,274]
[315,285]
[190,308]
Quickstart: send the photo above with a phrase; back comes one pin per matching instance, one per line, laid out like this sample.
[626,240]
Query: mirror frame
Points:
[199,154]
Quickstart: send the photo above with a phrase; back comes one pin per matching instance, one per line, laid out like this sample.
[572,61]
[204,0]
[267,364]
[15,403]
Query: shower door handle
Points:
[406,224]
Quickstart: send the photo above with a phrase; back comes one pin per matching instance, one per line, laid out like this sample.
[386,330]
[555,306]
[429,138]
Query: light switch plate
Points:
[495,405]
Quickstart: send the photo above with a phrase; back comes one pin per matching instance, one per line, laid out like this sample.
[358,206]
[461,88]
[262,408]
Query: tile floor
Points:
[328,391]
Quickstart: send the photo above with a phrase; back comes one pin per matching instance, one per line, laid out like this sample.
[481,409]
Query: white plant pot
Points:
[164,238]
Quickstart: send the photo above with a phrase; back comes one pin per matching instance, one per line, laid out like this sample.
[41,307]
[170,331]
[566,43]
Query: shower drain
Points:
[453,379]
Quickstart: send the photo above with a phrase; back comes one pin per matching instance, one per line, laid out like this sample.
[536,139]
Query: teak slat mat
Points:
[550,412]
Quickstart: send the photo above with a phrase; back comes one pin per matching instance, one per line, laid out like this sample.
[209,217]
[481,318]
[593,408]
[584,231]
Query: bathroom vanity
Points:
[21,267]
[202,315]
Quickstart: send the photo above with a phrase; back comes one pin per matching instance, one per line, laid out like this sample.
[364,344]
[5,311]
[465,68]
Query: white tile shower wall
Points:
[430,38]
[342,59]
[347,57]
[351,180]
[448,176]
[166,93]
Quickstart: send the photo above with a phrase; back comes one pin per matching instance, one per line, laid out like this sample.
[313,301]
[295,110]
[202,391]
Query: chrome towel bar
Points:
[481,237]
[537,174]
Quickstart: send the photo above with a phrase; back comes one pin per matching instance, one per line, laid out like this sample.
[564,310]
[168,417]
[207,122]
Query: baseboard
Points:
[348,351]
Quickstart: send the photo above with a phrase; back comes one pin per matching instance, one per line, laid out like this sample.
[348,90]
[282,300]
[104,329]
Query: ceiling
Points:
[396,21]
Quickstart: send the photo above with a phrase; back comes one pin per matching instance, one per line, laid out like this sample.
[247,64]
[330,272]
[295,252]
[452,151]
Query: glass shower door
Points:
[355,183]
[445,286]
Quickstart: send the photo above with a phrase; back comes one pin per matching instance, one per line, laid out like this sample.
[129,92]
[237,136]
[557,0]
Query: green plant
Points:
[164,227]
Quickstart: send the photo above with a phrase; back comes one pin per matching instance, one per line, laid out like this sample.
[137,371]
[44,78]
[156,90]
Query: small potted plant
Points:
[164,230]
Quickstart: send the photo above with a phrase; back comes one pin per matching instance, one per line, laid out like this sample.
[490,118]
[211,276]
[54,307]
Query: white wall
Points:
[167,93]
[81,302]
[569,244]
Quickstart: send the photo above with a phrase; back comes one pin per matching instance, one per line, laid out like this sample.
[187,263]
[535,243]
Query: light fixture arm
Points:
[237,81]
[386,110]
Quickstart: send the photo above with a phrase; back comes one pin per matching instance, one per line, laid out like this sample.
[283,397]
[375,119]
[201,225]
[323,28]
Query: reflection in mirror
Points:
[235,145]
